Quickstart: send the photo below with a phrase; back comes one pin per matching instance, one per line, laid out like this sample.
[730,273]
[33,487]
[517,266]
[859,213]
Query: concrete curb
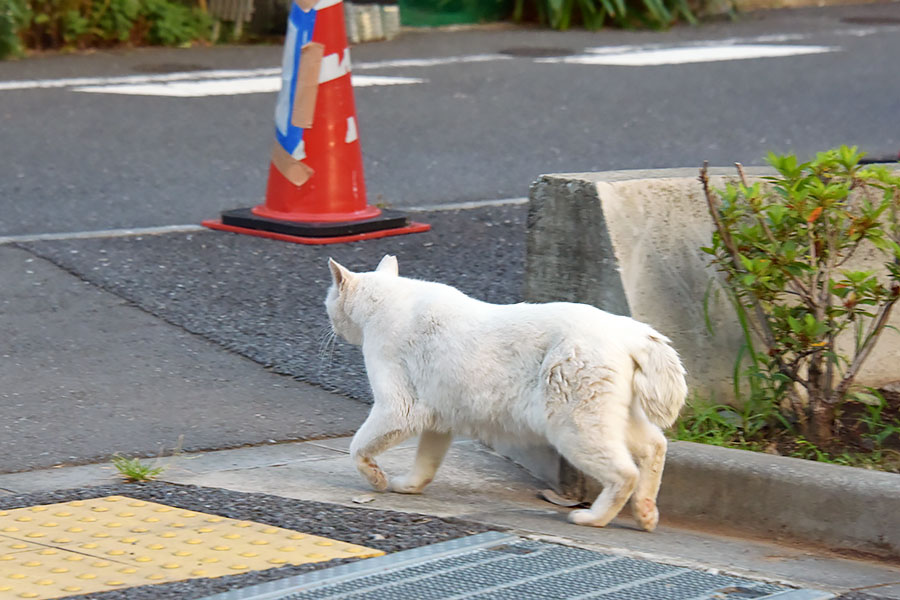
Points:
[722,7]
[843,508]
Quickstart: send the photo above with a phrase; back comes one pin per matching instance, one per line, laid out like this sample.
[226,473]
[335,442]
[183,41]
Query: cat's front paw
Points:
[584,516]
[378,480]
[373,474]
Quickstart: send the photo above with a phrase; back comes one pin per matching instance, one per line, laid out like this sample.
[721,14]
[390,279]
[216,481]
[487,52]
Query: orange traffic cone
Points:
[316,192]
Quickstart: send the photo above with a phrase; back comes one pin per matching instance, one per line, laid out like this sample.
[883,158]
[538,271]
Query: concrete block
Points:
[629,242]
[843,508]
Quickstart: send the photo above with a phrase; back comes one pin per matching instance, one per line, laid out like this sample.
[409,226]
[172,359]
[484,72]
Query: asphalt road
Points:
[75,161]
[132,344]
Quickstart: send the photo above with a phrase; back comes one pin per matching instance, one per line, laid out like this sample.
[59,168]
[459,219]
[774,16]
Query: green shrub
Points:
[14,14]
[54,24]
[173,24]
[785,250]
[594,14]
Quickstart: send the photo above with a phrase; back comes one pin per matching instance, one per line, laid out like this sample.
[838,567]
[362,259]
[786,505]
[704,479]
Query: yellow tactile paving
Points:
[84,546]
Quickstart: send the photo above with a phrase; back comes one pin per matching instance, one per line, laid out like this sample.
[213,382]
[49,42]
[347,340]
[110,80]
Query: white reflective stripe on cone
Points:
[352,135]
[333,66]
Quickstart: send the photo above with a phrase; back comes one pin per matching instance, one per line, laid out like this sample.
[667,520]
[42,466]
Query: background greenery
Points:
[78,24]
[785,252]
[594,14]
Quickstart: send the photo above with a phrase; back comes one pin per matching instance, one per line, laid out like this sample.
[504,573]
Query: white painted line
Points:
[226,87]
[183,76]
[762,39]
[232,73]
[102,233]
[464,205]
[430,62]
[190,89]
[771,38]
[114,233]
[695,54]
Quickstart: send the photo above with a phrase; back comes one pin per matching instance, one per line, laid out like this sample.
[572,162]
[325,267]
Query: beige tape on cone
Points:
[294,171]
[307,85]
[305,5]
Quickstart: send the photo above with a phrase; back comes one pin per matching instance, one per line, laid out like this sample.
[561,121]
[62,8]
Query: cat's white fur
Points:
[596,386]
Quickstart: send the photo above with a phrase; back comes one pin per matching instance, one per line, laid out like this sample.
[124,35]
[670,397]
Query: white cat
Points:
[596,386]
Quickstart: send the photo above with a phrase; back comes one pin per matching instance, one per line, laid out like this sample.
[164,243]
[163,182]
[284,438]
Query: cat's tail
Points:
[658,383]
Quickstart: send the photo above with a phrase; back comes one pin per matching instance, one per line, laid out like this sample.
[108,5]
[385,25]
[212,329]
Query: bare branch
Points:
[764,328]
[875,329]
[741,174]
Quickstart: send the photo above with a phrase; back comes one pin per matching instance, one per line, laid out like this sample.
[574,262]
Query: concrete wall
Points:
[629,242]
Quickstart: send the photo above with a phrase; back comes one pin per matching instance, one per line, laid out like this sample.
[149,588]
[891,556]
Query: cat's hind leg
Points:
[648,447]
[588,413]
[433,447]
[381,431]
[610,463]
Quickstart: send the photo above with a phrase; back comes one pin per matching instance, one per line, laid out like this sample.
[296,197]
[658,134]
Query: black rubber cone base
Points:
[244,218]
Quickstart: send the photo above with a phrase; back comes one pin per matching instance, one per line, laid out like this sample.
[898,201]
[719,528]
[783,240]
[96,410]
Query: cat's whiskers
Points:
[327,341]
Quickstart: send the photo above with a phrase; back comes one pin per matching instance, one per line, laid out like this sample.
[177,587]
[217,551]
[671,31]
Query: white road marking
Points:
[232,73]
[227,87]
[430,62]
[464,205]
[102,233]
[771,38]
[693,54]
[163,229]
[184,76]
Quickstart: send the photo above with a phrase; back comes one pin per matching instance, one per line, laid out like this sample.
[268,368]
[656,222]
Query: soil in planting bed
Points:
[856,434]
[385,530]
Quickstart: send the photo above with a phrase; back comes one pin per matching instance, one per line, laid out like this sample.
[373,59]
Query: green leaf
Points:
[866,398]
[776,213]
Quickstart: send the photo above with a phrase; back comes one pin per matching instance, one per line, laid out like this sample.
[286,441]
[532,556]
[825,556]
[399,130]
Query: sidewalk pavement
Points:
[89,370]
[476,484]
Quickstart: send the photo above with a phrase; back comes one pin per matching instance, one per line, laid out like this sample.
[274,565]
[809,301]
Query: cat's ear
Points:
[340,274]
[388,265]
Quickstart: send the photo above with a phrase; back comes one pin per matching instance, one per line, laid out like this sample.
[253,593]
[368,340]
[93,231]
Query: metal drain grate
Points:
[498,566]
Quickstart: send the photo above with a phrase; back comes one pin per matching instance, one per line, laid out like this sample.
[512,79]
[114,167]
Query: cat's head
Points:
[343,312]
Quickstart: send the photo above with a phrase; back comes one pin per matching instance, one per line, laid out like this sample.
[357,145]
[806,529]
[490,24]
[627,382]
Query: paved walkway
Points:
[478,485]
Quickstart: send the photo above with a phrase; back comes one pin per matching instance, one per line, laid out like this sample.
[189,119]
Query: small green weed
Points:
[717,424]
[594,14]
[133,469]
